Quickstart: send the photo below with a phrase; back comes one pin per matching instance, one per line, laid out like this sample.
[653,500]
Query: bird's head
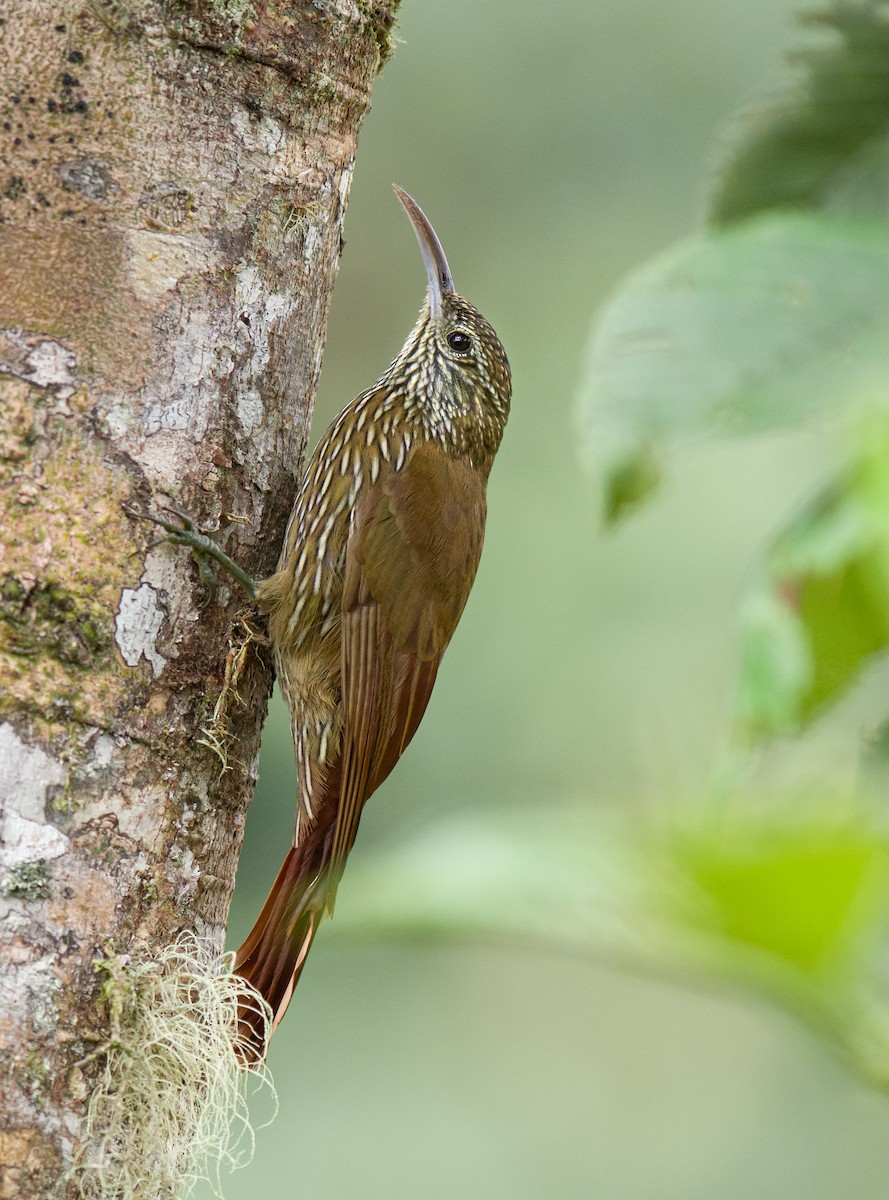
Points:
[453,368]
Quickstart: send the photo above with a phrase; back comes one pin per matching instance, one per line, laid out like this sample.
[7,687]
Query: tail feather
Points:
[272,957]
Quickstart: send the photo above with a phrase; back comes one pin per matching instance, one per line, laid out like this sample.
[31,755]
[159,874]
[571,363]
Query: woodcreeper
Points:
[379,557]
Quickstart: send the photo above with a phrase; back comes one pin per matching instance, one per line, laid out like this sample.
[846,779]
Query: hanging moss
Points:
[170,1105]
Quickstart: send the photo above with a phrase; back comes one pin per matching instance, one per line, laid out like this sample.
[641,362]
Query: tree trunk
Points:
[173,176]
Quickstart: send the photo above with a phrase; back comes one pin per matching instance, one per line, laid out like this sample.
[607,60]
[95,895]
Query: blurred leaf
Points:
[631,483]
[846,616]
[521,876]
[776,665]
[767,325]
[799,912]
[809,896]
[823,608]
[824,144]
[795,910]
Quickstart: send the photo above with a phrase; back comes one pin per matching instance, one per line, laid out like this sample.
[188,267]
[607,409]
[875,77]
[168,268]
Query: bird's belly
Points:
[310,682]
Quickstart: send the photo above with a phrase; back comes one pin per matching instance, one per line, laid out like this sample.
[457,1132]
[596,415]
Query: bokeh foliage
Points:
[777,315]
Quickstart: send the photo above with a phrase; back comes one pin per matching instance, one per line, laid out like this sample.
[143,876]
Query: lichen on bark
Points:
[173,178]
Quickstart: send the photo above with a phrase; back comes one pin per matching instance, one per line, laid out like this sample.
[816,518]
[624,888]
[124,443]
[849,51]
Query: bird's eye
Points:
[461,342]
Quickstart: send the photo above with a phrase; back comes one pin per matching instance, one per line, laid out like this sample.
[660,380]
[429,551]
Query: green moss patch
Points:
[49,619]
[27,880]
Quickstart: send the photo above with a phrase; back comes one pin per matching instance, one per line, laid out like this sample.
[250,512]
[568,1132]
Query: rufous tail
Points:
[272,957]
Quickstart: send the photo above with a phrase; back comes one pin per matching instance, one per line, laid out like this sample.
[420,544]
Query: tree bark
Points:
[173,177]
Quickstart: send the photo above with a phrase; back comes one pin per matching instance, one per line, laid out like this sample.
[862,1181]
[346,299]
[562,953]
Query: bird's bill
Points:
[437,269]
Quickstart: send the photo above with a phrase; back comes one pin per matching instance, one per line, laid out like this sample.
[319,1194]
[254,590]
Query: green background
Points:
[554,148]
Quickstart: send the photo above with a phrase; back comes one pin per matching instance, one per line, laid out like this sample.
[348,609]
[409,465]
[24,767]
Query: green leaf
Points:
[822,609]
[793,908]
[809,897]
[808,894]
[776,665]
[630,483]
[771,324]
[846,616]
[824,144]
[573,881]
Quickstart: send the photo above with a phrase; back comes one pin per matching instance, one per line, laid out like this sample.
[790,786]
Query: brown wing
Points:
[410,563]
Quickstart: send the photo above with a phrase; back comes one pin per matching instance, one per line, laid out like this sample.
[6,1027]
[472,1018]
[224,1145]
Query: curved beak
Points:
[437,269]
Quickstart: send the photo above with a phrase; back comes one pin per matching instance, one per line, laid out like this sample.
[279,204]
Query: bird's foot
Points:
[202,547]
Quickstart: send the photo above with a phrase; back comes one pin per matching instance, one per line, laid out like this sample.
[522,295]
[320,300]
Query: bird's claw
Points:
[201,545]
[185,533]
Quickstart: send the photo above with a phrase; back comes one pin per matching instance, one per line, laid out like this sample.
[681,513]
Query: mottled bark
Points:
[173,175]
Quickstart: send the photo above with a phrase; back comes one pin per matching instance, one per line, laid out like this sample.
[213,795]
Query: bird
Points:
[379,556]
